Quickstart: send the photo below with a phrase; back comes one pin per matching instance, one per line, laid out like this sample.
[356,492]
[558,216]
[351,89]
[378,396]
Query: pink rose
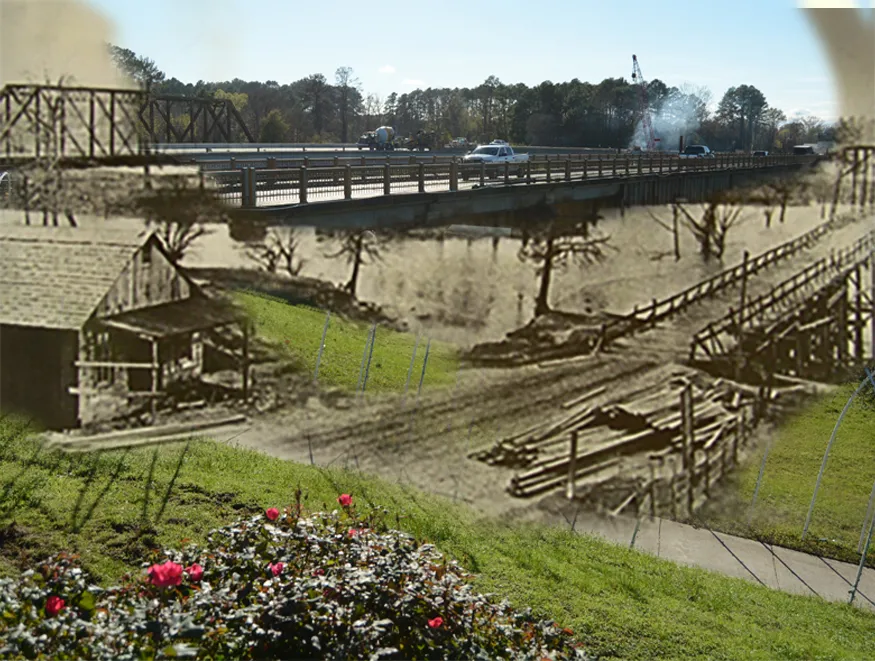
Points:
[436,622]
[275,569]
[345,499]
[195,572]
[165,575]
[54,605]
[272,513]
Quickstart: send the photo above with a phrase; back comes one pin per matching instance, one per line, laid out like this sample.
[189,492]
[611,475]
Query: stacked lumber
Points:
[524,448]
[648,420]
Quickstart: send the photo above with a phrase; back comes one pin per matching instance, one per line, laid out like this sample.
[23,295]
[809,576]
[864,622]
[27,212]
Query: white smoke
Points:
[678,115]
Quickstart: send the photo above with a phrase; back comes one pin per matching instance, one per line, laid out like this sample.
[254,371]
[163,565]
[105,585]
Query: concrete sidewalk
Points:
[772,566]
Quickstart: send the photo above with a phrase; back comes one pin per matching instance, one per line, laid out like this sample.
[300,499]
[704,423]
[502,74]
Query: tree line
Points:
[569,114]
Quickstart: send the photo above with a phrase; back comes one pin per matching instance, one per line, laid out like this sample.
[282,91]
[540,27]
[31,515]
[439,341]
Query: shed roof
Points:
[54,277]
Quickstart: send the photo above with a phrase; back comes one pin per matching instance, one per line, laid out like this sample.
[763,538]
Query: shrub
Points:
[279,586]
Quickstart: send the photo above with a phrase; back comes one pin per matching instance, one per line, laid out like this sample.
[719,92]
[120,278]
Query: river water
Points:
[467,291]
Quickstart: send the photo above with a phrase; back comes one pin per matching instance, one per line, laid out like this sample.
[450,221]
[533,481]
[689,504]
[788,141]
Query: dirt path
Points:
[380,436]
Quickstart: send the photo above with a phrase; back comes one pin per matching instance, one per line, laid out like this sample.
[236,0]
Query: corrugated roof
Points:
[54,277]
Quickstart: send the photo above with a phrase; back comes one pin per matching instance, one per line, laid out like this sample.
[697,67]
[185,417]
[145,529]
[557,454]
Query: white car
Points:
[494,153]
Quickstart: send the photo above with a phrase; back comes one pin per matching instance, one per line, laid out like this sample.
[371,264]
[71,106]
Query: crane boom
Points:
[647,125]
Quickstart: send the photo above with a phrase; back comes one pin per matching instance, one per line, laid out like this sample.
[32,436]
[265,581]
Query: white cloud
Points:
[413,82]
[387,69]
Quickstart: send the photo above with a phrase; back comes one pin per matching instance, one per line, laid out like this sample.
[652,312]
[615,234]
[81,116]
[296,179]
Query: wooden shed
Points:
[92,320]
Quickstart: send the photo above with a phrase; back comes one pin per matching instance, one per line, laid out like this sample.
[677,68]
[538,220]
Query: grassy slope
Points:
[298,330]
[622,603]
[790,475]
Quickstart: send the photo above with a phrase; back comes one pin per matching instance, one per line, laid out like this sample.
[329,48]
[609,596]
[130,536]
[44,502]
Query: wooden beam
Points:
[109,363]
[155,367]
[245,361]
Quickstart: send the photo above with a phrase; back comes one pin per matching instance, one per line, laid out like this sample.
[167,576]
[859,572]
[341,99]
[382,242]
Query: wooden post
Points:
[245,361]
[347,182]
[302,185]
[687,422]
[155,367]
[872,301]
[854,175]
[572,466]
[858,316]
[740,332]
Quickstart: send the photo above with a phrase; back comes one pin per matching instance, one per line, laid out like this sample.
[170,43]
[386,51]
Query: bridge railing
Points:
[268,162]
[757,308]
[253,187]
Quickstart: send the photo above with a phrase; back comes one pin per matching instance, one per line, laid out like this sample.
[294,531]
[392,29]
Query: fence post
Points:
[253,187]
[585,167]
[528,172]
[347,182]
[271,164]
[482,173]
[756,490]
[321,346]
[572,466]
[688,456]
[869,513]
[506,173]
[639,164]
[302,185]
[567,170]
[244,189]
[549,170]
[862,558]
[454,176]
[421,176]
[387,179]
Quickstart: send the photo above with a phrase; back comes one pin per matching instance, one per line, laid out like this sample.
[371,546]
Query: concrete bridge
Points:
[503,195]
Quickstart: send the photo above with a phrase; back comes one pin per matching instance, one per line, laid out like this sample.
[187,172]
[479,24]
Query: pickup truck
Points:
[697,151]
[495,153]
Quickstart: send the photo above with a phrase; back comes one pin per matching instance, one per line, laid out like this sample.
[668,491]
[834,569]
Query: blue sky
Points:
[766,43]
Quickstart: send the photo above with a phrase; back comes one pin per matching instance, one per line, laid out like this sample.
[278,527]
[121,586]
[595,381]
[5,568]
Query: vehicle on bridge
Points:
[495,153]
[696,151]
[383,139]
[423,140]
[803,150]
[761,152]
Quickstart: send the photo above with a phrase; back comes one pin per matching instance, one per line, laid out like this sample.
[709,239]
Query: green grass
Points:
[623,604]
[790,475]
[297,330]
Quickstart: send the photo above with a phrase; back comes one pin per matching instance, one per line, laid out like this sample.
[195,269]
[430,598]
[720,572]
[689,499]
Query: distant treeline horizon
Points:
[570,114]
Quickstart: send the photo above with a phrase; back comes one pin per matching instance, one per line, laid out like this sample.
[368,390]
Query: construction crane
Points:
[645,105]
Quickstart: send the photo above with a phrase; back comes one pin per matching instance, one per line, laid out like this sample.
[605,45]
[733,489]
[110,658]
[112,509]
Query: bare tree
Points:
[43,177]
[357,246]
[718,217]
[277,248]
[674,228]
[349,98]
[179,212]
[552,248]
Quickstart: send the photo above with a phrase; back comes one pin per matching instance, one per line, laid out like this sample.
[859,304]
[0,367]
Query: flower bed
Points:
[280,586]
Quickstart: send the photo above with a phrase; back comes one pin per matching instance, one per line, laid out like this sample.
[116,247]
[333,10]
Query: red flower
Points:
[319,572]
[165,575]
[275,569]
[344,499]
[195,572]
[272,513]
[436,622]
[54,605]
[355,531]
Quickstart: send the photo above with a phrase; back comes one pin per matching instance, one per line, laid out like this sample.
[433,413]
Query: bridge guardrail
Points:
[286,186]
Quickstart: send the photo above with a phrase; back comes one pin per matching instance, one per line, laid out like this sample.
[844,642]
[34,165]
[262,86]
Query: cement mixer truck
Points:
[380,140]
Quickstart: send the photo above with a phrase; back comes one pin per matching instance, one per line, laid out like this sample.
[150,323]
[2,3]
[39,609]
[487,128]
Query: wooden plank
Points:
[109,363]
[162,430]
